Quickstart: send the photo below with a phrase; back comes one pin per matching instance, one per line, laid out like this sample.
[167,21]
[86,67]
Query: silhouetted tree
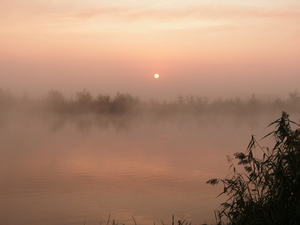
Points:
[254,104]
[55,101]
[84,101]
[102,103]
[294,101]
[124,103]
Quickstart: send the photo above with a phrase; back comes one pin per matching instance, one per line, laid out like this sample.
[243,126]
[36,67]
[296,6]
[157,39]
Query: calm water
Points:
[64,170]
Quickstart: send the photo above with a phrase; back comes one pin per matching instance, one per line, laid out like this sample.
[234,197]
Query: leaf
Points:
[239,155]
[213,181]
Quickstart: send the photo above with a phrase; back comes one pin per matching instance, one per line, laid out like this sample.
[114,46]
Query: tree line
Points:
[84,102]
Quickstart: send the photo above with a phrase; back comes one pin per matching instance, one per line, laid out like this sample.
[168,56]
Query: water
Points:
[81,169]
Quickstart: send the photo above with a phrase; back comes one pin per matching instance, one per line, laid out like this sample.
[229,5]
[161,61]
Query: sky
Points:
[203,48]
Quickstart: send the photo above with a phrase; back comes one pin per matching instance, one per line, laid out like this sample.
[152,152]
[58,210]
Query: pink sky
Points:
[202,48]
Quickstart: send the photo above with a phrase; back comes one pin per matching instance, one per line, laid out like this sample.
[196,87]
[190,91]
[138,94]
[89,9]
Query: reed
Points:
[179,222]
[267,192]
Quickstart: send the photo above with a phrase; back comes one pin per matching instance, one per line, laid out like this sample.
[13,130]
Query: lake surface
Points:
[81,169]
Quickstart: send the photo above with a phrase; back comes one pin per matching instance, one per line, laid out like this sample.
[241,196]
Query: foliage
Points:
[103,103]
[83,101]
[268,191]
[55,101]
[123,103]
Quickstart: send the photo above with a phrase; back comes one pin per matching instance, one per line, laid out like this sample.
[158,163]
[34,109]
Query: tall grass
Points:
[181,221]
[268,190]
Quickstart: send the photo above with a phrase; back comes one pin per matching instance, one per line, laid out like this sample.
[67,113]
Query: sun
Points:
[156,76]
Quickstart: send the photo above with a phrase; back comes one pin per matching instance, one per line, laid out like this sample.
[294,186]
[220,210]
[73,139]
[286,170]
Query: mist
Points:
[89,135]
[86,157]
[111,76]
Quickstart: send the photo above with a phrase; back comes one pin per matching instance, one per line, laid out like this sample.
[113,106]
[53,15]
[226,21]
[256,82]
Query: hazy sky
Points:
[199,47]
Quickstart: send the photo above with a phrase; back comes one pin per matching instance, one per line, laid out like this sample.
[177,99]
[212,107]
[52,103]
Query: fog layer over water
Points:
[63,169]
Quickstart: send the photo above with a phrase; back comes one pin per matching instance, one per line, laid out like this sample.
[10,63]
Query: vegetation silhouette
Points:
[268,191]
[124,103]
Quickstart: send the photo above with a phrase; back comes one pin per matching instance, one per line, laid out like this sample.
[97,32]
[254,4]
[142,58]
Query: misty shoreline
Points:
[84,103]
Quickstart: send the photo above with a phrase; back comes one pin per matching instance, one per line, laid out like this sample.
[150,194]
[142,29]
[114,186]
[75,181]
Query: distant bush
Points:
[55,101]
[83,101]
[268,191]
[124,103]
[103,103]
